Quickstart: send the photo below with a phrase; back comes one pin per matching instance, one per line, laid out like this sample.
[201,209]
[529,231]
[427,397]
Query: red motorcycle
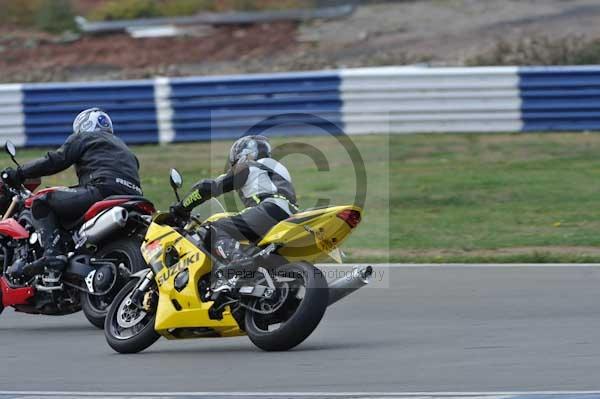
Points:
[104,251]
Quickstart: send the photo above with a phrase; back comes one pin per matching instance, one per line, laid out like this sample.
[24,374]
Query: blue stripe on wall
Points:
[281,104]
[51,108]
[560,98]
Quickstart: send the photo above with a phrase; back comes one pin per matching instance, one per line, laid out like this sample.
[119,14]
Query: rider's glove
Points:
[180,211]
[12,177]
[198,195]
[205,187]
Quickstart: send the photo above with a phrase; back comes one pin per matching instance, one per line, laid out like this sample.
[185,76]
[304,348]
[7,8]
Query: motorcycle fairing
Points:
[182,309]
[11,228]
[15,296]
[313,235]
[102,205]
[140,203]
[310,235]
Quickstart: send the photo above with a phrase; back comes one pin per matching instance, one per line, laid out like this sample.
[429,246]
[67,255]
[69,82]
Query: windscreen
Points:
[207,209]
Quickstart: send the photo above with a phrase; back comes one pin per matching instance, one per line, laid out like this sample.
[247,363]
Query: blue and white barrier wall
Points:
[364,100]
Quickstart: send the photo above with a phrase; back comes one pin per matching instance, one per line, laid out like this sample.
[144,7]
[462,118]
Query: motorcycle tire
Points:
[127,250]
[141,340]
[304,320]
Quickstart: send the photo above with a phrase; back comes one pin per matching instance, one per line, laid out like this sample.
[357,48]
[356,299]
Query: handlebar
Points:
[13,190]
[10,186]
[173,220]
[21,191]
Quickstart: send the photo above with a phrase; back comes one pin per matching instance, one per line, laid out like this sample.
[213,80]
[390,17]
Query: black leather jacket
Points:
[100,159]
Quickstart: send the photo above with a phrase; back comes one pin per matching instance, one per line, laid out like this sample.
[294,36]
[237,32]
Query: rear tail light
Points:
[350,216]
[145,207]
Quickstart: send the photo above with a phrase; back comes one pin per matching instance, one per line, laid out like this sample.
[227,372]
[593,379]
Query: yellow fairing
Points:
[311,235]
[218,216]
[192,313]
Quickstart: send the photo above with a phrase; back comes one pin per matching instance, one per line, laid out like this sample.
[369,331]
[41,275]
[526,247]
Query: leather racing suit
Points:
[264,186]
[105,166]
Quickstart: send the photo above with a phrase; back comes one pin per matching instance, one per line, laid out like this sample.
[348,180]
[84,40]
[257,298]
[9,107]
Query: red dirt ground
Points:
[24,58]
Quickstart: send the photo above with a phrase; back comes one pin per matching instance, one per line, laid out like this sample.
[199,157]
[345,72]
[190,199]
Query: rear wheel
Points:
[292,314]
[128,254]
[129,329]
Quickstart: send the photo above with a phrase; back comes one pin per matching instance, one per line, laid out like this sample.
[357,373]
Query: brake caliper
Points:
[149,301]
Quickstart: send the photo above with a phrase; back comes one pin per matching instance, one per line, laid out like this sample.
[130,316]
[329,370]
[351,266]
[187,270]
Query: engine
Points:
[52,297]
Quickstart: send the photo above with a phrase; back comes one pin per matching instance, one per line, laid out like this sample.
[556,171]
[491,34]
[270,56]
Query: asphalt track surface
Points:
[474,329]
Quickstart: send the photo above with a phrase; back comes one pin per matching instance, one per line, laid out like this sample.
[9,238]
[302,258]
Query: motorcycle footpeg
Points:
[258,291]
[215,312]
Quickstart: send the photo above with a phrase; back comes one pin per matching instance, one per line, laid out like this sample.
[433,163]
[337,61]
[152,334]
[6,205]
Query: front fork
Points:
[146,277]
[11,209]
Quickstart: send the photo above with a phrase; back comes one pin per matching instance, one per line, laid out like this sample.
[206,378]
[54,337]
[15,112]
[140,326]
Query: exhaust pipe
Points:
[102,226]
[345,286]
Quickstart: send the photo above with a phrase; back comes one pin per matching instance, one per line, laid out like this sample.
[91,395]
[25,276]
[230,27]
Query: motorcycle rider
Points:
[265,188]
[105,166]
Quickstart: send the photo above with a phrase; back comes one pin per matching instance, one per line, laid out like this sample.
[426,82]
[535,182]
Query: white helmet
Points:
[92,120]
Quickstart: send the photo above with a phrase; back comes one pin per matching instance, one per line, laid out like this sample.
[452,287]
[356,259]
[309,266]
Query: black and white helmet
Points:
[249,148]
[93,120]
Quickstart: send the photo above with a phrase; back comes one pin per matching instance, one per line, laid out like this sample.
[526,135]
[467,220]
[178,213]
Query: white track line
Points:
[462,265]
[292,394]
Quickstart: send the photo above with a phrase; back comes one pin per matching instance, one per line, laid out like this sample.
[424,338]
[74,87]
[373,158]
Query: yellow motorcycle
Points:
[278,305]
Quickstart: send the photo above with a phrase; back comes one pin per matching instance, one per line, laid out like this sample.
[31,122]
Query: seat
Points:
[127,197]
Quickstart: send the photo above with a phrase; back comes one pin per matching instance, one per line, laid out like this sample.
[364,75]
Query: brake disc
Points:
[129,315]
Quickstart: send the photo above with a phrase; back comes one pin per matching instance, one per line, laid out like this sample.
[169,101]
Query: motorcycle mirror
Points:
[176,179]
[10,148]
[176,182]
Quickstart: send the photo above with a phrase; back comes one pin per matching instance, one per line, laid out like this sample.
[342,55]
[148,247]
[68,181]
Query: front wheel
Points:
[129,329]
[292,314]
[127,253]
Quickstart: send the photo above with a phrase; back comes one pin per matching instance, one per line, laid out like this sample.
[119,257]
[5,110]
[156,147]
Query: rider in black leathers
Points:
[105,166]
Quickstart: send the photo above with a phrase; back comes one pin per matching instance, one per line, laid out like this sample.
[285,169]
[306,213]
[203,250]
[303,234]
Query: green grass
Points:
[433,198]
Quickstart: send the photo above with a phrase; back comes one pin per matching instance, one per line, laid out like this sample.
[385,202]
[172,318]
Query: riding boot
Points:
[236,261]
[233,263]
[52,242]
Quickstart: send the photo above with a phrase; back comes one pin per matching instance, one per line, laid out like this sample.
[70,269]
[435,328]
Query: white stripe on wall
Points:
[12,116]
[421,99]
[164,110]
